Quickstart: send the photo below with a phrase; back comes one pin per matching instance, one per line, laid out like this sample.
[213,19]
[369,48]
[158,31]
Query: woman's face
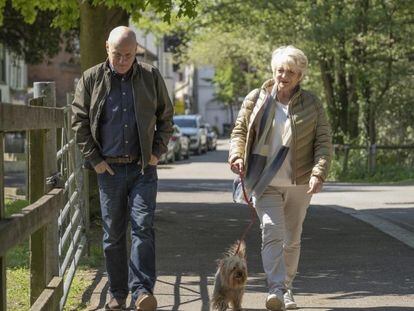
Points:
[286,78]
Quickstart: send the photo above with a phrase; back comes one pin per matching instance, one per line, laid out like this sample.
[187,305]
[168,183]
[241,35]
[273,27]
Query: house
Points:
[153,51]
[64,69]
[13,78]
[195,90]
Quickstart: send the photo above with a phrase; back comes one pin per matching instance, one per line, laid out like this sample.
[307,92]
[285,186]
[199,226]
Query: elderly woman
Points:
[281,143]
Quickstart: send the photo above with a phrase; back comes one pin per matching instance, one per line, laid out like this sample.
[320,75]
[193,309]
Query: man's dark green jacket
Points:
[153,110]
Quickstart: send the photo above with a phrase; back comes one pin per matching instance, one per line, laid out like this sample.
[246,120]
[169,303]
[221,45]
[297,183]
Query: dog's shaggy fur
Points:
[230,279]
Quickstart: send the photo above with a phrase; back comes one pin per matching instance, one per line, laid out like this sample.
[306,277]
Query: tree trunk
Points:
[96,22]
[328,85]
[231,113]
[341,81]
[366,89]
[353,111]
[342,91]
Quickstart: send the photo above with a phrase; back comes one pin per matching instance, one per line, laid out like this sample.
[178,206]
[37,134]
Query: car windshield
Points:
[185,122]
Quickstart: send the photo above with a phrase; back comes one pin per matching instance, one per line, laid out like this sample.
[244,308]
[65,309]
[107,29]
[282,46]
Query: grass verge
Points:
[18,272]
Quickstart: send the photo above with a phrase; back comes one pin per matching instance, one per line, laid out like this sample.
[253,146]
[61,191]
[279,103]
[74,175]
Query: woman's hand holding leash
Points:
[237,166]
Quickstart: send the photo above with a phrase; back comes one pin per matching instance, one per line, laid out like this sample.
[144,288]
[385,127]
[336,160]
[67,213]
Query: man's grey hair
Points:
[290,57]
[121,34]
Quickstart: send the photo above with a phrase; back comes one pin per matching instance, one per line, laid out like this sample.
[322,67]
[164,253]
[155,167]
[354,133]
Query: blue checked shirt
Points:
[117,124]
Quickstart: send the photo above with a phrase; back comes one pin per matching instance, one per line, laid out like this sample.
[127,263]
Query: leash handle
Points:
[246,197]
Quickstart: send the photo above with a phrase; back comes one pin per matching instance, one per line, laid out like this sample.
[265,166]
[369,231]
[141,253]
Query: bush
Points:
[391,166]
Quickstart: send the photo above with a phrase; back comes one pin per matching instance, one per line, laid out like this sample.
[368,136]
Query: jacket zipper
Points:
[293,142]
[139,136]
[98,115]
[293,146]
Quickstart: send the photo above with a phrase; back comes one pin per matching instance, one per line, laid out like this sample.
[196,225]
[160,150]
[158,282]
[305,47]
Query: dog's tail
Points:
[238,248]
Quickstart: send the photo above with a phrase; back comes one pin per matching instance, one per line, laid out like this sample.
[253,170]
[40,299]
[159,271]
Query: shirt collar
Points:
[126,75]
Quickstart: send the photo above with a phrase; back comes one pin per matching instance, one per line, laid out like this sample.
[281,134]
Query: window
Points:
[16,73]
[185,122]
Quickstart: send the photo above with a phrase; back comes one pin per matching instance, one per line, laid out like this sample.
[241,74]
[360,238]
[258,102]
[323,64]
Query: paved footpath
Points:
[349,260]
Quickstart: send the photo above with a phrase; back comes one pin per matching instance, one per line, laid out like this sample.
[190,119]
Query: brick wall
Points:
[64,68]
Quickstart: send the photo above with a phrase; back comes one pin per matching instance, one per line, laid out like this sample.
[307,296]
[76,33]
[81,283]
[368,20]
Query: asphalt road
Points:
[349,260]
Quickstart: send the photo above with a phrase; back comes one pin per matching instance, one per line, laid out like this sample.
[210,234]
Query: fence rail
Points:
[55,221]
[18,227]
[371,151]
[15,118]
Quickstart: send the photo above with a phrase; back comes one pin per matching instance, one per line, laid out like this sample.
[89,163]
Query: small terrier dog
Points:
[230,279]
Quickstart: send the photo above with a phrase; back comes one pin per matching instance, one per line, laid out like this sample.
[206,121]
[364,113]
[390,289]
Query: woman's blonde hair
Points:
[290,57]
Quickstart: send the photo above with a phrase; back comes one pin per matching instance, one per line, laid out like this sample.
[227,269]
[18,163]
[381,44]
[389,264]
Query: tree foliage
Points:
[33,42]
[361,57]
[67,13]
[35,28]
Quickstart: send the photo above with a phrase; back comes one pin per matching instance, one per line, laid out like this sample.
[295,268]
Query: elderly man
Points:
[122,119]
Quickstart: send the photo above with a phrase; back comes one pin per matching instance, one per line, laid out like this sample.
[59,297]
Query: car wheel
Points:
[187,155]
[179,155]
[172,160]
[199,150]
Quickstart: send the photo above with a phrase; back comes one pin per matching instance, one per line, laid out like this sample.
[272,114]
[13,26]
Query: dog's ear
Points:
[235,248]
[242,250]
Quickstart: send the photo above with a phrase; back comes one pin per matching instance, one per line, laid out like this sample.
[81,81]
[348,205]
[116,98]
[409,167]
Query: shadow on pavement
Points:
[217,156]
[192,236]
[360,187]
[194,185]
[342,257]
[385,308]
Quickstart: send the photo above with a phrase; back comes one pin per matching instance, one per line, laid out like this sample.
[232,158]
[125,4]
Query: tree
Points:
[360,52]
[33,42]
[96,18]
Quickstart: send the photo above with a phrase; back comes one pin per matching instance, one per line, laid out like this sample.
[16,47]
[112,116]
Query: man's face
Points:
[121,56]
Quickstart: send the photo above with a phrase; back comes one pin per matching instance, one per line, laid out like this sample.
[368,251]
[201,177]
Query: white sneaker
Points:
[289,301]
[275,303]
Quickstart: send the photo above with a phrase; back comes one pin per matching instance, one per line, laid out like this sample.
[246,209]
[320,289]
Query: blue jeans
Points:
[129,193]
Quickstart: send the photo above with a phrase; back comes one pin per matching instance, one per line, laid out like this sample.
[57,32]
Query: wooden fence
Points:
[56,221]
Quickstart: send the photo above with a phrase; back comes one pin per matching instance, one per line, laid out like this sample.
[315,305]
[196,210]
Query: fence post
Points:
[346,156]
[372,155]
[85,175]
[3,280]
[44,259]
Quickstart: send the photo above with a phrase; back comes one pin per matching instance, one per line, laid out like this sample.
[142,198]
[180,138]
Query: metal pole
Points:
[3,280]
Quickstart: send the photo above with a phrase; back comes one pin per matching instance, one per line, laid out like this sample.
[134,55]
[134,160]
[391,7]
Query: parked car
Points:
[169,156]
[192,127]
[211,137]
[178,147]
[182,144]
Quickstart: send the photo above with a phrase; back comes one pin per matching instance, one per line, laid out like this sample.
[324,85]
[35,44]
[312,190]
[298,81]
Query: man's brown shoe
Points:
[115,304]
[146,302]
